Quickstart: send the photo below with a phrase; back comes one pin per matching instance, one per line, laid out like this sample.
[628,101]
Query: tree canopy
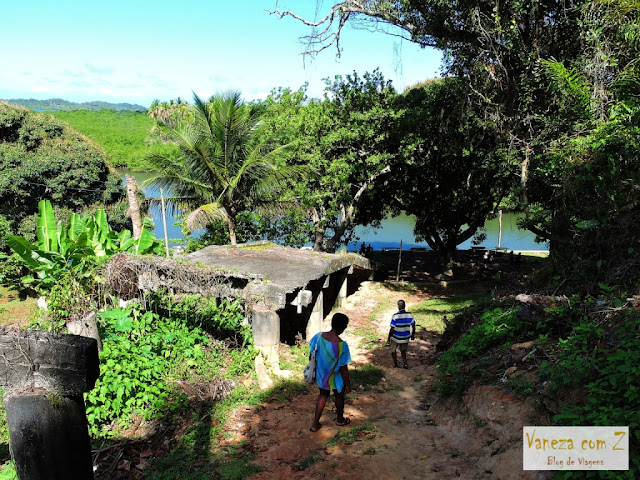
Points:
[450,176]
[558,84]
[345,139]
[43,159]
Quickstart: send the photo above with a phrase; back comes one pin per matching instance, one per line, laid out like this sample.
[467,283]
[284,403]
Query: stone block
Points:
[67,365]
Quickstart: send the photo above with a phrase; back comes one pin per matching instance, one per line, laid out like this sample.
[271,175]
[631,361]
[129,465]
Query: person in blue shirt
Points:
[332,357]
[403,328]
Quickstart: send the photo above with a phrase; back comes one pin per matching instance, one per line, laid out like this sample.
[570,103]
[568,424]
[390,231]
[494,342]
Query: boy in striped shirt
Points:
[402,328]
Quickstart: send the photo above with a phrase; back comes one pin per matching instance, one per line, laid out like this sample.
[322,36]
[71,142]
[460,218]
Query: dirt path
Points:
[400,429]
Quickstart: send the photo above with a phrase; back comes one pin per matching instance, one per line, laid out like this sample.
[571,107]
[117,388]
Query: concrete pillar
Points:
[44,376]
[314,325]
[266,332]
[49,436]
[342,289]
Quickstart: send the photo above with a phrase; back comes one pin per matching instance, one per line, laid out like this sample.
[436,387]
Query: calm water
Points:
[389,235]
[393,230]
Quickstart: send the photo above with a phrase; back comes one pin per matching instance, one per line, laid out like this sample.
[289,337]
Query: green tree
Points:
[494,47]
[41,158]
[224,165]
[586,186]
[451,177]
[344,138]
[169,113]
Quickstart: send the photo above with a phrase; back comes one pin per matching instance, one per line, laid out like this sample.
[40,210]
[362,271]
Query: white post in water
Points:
[399,262]
[499,228]
[164,224]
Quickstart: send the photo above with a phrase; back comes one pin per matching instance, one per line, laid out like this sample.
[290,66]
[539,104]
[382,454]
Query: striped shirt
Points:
[401,322]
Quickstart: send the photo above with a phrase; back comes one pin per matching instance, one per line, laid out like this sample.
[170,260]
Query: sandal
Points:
[346,422]
[314,430]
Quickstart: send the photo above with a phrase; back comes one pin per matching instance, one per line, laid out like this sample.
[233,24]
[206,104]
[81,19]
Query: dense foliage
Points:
[452,176]
[59,104]
[72,249]
[145,355]
[558,84]
[345,139]
[126,136]
[41,158]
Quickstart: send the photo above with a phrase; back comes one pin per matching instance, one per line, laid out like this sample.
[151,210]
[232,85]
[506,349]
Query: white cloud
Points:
[99,70]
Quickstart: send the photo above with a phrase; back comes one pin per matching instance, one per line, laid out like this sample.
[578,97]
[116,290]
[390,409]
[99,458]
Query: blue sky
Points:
[138,50]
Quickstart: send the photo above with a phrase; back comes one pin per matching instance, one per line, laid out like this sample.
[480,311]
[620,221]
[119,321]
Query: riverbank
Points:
[421,266]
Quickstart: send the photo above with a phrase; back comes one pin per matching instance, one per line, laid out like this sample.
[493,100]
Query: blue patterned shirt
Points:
[402,321]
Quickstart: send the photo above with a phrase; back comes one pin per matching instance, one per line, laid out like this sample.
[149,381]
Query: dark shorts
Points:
[326,393]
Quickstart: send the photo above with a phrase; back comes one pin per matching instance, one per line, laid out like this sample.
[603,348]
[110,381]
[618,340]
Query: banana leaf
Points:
[145,242]
[25,250]
[102,226]
[125,241]
[63,239]
[46,227]
[75,226]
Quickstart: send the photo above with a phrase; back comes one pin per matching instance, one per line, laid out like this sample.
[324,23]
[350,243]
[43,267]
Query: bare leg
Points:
[339,406]
[394,355]
[321,401]
[404,359]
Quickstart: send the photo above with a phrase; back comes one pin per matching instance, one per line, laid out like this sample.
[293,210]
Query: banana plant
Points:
[77,246]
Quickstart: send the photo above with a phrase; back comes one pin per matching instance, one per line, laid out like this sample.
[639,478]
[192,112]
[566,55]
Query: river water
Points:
[391,232]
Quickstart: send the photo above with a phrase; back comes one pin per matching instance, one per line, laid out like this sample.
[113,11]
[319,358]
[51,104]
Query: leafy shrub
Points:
[42,158]
[223,319]
[30,136]
[139,349]
[609,375]
[496,327]
[144,354]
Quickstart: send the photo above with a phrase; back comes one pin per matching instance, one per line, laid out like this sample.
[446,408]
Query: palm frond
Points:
[205,214]
[273,210]
[569,83]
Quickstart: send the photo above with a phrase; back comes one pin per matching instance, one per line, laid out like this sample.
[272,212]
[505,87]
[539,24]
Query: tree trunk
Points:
[231,222]
[134,206]
[318,230]
[318,242]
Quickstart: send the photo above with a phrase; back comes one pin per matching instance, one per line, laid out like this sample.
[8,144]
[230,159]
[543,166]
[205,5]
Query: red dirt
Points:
[410,434]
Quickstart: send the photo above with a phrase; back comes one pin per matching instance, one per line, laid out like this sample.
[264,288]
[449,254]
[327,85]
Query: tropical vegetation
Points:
[223,166]
[452,174]
[345,139]
[73,248]
[540,103]
[42,158]
[126,136]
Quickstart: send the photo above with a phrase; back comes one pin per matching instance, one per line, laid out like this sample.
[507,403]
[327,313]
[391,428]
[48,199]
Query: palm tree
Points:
[223,165]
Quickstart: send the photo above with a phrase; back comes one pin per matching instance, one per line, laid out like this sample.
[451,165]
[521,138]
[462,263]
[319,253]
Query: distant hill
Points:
[58,104]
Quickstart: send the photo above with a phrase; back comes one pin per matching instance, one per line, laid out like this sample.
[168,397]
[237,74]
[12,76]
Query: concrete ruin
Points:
[288,291]
[44,376]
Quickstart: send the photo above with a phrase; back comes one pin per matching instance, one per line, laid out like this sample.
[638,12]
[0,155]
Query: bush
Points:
[456,370]
[603,359]
[223,319]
